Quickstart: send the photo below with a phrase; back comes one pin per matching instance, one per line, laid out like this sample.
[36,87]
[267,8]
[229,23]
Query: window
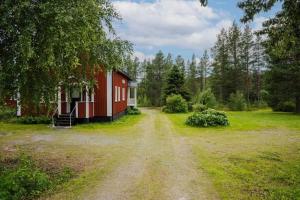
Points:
[123,94]
[132,93]
[119,94]
[116,94]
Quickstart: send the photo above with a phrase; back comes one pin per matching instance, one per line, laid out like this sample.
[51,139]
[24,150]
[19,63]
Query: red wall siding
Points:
[117,81]
[81,109]
[100,95]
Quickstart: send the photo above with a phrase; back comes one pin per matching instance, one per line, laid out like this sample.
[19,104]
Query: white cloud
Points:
[178,23]
[257,23]
[142,56]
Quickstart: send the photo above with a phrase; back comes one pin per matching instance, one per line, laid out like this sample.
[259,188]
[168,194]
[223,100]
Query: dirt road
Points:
[161,167]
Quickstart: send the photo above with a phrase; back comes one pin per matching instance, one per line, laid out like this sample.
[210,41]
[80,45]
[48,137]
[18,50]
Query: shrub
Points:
[34,120]
[286,106]
[207,118]
[208,99]
[175,104]
[24,182]
[199,107]
[21,178]
[7,113]
[133,111]
[237,102]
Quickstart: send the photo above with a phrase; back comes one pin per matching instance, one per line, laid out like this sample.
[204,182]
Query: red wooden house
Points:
[114,93]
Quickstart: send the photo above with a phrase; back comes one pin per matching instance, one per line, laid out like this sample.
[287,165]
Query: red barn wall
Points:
[100,95]
[120,106]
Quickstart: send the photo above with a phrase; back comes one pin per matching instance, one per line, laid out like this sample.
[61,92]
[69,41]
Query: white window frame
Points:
[119,94]
[123,94]
[116,94]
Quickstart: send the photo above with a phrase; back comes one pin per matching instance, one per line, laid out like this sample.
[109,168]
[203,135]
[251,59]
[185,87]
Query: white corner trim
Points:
[87,103]
[76,109]
[19,112]
[59,100]
[109,93]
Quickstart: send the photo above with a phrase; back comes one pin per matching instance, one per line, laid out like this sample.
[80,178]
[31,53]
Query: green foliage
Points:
[43,43]
[133,111]
[208,99]
[21,178]
[237,102]
[26,181]
[175,104]
[199,107]
[287,106]
[176,84]
[207,118]
[143,101]
[33,120]
[7,113]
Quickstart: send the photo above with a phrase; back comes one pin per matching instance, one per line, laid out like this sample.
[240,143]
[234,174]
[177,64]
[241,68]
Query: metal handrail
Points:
[71,115]
[53,116]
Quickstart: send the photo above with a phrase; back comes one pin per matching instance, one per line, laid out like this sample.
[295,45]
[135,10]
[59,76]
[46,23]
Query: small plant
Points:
[133,111]
[207,118]
[175,104]
[237,102]
[26,181]
[207,98]
[23,179]
[199,107]
[286,106]
[7,113]
[33,120]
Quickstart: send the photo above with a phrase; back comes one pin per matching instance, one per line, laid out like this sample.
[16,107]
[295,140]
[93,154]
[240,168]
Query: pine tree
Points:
[203,70]
[176,83]
[192,83]
[246,60]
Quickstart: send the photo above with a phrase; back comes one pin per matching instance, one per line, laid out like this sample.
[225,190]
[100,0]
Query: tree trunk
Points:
[298,104]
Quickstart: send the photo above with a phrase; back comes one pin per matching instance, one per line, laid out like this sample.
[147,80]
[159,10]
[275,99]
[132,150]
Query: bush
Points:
[34,120]
[175,104]
[237,102]
[199,107]
[24,182]
[21,178]
[133,111]
[286,106]
[208,99]
[7,113]
[207,118]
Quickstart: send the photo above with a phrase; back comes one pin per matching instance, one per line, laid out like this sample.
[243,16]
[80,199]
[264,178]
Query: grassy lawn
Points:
[256,157]
[90,151]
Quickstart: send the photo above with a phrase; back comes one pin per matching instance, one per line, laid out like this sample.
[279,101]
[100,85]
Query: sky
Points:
[179,27]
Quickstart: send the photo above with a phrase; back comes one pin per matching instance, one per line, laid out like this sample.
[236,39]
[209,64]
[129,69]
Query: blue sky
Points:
[181,27]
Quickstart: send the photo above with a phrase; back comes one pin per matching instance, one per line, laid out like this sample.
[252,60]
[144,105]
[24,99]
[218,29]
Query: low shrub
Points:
[208,98]
[7,113]
[175,104]
[33,120]
[286,106]
[207,118]
[26,181]
[237,102]
[199,107]
[23,179]
[133,111]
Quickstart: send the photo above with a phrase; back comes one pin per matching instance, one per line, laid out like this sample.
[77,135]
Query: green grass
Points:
[124,123]
[246,121]
[110,145]
[256,157]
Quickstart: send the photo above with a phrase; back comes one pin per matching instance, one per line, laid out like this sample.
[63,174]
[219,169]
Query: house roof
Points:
[124,74]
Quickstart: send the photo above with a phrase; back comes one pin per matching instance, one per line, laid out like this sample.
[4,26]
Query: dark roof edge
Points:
[124,74]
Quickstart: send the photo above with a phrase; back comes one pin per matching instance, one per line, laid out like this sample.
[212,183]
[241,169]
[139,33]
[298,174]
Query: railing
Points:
[53,124]
[131,102]
[71,116]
